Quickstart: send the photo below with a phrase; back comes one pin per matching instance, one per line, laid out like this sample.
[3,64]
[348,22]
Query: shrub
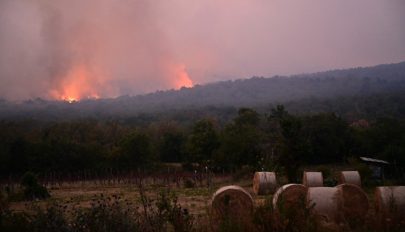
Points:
[172,212]
[51,219]
[32,189]
[189,183]
[14,221]
[245,171]
[105,214]
[3,201]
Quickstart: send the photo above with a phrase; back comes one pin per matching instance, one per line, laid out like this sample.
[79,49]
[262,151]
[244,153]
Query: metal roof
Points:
[367,159]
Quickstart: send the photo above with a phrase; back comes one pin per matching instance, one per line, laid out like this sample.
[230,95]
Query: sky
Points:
[76,49]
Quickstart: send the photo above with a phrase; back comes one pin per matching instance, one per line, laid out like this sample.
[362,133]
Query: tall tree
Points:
[136,151]
[241,141]
[203,141]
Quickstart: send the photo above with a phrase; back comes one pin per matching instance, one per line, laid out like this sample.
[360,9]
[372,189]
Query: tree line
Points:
[275,139]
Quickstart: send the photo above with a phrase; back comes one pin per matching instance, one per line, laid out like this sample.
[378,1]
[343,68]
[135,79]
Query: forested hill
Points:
[258,90]
[318,88]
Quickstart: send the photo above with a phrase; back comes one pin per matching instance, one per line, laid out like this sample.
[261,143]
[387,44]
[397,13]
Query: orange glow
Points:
[76,85]
[182,77]
[70,99]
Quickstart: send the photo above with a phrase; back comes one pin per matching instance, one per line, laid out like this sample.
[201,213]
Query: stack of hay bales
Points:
[264,183]
[312,179]
[231,203]
[334,204]
[350,177]
[390,203]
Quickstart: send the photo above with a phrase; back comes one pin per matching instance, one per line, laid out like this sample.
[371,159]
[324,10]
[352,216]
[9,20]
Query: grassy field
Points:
[196,199]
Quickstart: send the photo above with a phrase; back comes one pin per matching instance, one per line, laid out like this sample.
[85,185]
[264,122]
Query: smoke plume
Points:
[75,49]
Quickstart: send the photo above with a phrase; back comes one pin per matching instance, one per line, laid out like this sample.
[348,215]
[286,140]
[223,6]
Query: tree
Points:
[135,150]
[241,141]
[171,146]
[328,138]
[203,141]
[247,116]
[291,147]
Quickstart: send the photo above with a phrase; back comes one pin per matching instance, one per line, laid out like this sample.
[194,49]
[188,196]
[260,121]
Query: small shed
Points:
[376,166]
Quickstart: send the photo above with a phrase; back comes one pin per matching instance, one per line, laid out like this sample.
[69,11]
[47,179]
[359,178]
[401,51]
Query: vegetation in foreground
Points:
[163,212]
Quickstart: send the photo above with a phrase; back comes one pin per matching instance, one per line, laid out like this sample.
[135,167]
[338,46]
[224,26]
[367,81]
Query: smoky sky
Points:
[108,48]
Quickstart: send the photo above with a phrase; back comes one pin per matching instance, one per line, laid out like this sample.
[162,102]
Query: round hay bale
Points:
[324,203]
[390,202]
[264,183]
[354,202]
[289,197]
[312,179]
[350,177]
[231,202]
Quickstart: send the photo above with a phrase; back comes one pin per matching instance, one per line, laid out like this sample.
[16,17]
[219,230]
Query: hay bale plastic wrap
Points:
[312,179]
[350,177]
[288,197]
[354,203]
[264,183]
[324,202]
[390,203]
[231,203]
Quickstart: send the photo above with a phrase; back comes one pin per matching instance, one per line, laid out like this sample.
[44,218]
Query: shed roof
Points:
[367,159]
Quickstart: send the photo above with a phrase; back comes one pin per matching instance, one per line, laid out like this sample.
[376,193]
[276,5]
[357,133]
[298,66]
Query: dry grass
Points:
[195,199]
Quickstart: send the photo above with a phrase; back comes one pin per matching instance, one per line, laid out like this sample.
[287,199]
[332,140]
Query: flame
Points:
[76,85]
[182,77]
[70,99]
[82,82]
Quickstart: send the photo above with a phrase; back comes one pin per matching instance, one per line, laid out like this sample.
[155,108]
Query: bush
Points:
[14,221]
[173,213]
[51,219]
[244,172]
[105,214]
[3,201]
[189,183]
[32,189]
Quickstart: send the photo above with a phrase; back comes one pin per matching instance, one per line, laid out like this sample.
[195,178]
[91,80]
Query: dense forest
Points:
[274,140]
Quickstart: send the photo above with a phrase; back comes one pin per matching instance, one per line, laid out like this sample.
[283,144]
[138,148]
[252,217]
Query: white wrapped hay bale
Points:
[325,203]
[232,202]
[390,202]
[264,183]
[312,179]
[345,202]
[350,177]
[290,197]
[354,202]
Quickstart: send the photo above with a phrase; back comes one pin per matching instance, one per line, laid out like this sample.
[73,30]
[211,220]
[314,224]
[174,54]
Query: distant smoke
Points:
[102,48]
[78,49]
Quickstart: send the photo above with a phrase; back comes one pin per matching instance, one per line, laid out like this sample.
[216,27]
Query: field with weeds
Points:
[196,198]
[85,206]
